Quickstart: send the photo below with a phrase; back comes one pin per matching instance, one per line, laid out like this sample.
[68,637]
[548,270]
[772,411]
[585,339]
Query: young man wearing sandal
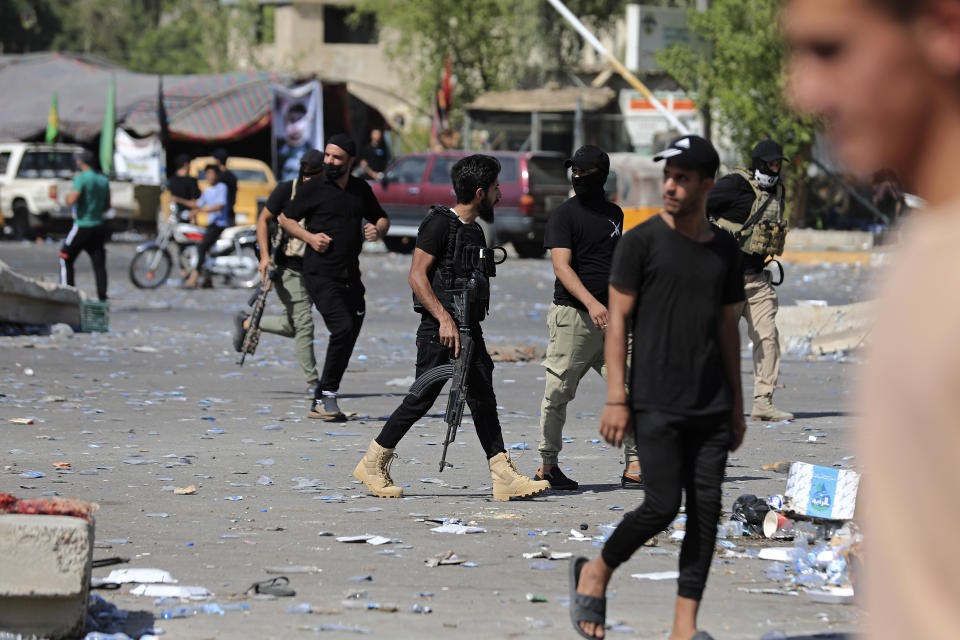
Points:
[680,280]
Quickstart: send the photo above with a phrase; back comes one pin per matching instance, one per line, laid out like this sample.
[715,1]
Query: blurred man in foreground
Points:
[885,76]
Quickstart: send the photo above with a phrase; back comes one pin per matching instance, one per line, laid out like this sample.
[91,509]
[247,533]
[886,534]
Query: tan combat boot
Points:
[374,471]
[763,410]
[508,483]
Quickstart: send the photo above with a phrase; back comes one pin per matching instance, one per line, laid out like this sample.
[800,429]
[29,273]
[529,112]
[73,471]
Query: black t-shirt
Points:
[185,187]
[339,213]
[376,157]
[433,238]
[681,287]
[228,178]
[276,204]
[592,236]
[732,198]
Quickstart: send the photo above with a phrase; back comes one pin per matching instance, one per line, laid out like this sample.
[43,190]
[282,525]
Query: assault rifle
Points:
[457,371]
[259,298]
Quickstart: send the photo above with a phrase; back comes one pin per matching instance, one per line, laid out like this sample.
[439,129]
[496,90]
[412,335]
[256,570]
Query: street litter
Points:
[21,421]
[656,575]
[185,491]
[330,626]
[362,538]
[447,558]
[457,528]
[138,575]
[292,569]
[821,492]
[830,595]
[170,591]
[551,555]
[777,467]
[372,606]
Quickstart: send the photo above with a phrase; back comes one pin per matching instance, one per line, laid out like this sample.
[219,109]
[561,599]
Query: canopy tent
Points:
[200,108]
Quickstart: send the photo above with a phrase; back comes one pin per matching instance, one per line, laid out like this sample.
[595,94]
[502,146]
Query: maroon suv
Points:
[532,183]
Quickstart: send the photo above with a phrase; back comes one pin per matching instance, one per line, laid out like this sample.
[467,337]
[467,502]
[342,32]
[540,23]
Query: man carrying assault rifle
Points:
[451,263]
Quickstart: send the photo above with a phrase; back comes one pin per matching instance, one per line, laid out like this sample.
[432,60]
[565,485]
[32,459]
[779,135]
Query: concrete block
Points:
[45,581]
[32,301]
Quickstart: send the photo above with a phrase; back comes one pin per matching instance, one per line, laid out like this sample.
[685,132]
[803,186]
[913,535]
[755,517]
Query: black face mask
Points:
[333,171]
[486,211]
[589,188]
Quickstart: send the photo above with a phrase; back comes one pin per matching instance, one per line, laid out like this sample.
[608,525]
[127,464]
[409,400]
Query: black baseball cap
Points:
[768,151]
[312,159]
[692,152]
[345,142]
[589,157]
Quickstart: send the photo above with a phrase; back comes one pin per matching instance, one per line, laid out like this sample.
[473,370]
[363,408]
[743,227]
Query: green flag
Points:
[53,121]
[106,131]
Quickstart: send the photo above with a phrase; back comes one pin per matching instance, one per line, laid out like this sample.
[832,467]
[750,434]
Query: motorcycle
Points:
[233,255]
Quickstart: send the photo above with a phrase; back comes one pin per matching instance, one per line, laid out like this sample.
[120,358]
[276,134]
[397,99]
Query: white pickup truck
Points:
[34,181]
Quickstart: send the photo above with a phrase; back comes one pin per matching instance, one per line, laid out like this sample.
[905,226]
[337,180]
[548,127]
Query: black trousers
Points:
[91,240]
[341,303]
[677,453]
[480,396]
[209,237]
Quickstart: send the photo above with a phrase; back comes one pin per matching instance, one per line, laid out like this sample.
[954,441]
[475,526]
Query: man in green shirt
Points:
[90,198]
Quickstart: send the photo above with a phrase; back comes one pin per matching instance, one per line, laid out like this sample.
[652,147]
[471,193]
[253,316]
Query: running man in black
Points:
[340,213]
[679,278]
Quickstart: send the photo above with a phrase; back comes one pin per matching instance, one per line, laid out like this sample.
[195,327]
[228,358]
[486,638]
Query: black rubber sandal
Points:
[273,587]
[584,608]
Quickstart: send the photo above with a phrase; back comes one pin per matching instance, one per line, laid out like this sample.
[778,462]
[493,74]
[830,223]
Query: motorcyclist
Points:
[213,202]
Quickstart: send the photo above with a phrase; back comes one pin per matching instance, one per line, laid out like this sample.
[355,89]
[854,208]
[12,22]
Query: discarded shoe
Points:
[239,333]
[508,481]
[763,409]
[558,480]
[274,587]
[631,480]
[373,470]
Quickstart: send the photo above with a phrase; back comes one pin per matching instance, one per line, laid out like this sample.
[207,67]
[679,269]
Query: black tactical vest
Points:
[460,265]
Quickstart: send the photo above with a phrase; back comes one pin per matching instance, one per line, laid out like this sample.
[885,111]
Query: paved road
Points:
[158,402]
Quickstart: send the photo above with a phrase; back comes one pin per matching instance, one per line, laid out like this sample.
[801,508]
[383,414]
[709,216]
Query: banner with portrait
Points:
[297,126]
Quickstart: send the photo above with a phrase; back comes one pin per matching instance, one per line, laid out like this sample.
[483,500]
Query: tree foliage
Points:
[150,36]
[737,74]
[493,44]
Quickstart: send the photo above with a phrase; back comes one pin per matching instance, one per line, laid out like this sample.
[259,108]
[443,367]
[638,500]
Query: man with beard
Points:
[449,243]
[581,234]
[678,279]
[750,205]
[335,206]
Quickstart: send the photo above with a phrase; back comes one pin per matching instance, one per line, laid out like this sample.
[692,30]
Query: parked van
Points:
[532,184]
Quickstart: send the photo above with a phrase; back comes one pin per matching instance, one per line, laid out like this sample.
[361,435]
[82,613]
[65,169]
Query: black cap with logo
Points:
[692,152]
